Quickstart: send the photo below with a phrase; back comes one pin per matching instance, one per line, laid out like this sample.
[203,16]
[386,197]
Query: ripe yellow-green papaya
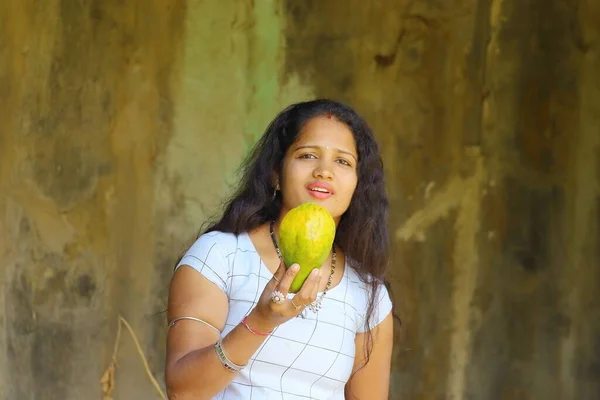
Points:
[306,235]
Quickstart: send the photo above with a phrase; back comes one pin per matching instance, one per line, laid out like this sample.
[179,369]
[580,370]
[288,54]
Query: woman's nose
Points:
[323,170]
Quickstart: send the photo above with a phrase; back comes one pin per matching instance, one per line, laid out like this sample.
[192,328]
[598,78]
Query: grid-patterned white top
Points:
[304,358]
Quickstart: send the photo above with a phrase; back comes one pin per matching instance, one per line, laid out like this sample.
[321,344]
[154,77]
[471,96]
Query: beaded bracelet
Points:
[227,363]
[252,330]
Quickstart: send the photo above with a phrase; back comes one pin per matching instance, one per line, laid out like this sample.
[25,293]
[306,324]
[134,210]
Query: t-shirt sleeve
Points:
[381,309]
[207,257]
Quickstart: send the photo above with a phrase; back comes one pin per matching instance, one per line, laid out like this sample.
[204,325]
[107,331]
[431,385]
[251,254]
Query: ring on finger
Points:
[295,306]
[277,297]
[276,279]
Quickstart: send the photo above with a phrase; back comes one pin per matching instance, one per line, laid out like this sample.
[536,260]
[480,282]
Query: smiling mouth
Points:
[319,193]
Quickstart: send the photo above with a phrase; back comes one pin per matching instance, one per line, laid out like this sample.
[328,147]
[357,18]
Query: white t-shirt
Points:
[304,358]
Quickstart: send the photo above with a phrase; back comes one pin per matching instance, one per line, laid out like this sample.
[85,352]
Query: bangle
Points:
[172,323]
[252,330]
[227,363]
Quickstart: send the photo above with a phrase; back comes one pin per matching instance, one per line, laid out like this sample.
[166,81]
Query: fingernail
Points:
[316,272]
[295,268]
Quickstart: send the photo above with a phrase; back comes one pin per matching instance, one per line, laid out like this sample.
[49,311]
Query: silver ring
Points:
[277,297]
[276,280]
[297,307]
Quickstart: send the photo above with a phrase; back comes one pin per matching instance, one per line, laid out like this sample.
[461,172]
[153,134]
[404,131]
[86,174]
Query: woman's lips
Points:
[320,190]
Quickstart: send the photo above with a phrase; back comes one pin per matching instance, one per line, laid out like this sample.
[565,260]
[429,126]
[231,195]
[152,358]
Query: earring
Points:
[275,191]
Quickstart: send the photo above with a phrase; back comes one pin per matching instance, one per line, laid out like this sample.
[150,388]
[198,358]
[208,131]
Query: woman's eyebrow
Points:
[310,146]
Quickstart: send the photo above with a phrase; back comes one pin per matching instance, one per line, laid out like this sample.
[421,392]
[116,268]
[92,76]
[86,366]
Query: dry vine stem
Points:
[108,378]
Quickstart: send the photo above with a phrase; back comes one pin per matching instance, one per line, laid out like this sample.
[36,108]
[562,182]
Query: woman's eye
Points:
[343,162]
[307,155]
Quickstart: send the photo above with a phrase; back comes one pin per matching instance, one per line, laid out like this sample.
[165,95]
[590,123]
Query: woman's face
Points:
[320,167]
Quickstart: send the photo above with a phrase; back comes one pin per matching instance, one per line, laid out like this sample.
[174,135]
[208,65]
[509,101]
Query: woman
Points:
[235,332]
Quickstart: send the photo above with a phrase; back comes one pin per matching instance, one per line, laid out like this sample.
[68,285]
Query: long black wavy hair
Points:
[362,232]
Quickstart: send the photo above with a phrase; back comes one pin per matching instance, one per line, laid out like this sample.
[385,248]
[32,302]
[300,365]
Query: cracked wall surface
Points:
[122,125]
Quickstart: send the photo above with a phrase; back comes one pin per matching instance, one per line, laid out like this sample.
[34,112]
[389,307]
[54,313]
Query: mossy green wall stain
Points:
[264,68]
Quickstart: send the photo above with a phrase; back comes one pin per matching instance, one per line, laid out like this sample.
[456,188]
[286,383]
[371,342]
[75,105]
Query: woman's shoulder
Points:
[361,281]
[214,253]
[224,239]
[215,242]
[362,288]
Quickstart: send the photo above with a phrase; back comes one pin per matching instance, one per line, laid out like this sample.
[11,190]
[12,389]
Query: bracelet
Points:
[227,363]
[252,330]
[172,323]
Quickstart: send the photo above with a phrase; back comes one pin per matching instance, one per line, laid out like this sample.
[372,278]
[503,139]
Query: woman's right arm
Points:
[193,368]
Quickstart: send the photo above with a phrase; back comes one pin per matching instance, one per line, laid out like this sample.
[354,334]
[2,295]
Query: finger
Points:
[295,301]
[288,278]
[311,285]
[278,275]
[315,290]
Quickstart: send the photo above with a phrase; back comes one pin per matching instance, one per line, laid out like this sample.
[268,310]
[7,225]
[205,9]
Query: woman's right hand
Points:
[267,314]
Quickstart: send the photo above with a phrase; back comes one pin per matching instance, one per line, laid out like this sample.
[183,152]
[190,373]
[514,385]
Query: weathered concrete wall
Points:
[489,115]
[121,125]
[86,111]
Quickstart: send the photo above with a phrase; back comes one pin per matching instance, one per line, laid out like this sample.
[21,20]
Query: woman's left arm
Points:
[372,381]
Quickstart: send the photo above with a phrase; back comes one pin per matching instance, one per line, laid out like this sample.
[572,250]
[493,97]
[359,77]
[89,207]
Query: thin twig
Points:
[108,378]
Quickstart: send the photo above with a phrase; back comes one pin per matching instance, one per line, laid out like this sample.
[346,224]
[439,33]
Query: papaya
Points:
[306,235]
